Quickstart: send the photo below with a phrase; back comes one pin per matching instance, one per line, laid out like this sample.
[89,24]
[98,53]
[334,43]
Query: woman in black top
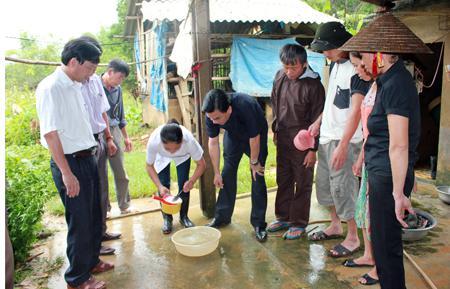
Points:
[394,126]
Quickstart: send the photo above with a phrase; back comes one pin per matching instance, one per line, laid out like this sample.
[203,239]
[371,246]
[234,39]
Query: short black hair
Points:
[118,65]
[216,99]
[171,132]
[356,54]
[82,50]
[93,41]
[291,53]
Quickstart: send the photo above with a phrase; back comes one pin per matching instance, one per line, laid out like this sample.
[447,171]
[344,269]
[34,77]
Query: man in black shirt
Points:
[245,132]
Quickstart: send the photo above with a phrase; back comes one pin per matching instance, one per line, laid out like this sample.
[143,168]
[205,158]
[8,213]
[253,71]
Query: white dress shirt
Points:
[60,107]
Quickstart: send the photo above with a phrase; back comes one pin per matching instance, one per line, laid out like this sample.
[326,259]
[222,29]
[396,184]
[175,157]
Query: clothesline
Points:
[53,63]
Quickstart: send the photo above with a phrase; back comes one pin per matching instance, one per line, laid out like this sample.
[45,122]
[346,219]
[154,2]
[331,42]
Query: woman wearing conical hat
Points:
[390,149]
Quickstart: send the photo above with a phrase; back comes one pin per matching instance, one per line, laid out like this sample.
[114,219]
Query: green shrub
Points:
[20,117]
[29,187]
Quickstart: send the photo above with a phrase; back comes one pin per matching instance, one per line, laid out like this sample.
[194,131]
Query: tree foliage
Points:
[24,75]
[352,12]
[27,76]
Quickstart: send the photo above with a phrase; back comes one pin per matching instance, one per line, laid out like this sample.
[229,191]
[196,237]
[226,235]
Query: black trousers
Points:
[83,217]
[233,150]
[386,232]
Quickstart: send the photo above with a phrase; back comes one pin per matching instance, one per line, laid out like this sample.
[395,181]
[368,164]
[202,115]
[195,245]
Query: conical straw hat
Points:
[386,34]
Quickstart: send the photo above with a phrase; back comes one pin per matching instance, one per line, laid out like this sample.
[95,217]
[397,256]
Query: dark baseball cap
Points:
[330,35]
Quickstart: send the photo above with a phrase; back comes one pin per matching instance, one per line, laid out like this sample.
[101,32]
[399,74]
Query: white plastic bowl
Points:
[417,234]
[444,193]
[196,241]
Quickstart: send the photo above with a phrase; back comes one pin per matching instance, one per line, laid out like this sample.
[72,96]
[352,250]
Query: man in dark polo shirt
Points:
[245,132]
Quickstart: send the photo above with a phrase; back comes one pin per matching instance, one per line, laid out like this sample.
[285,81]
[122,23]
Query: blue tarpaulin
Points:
[158,68]
[254,63]
[137,52]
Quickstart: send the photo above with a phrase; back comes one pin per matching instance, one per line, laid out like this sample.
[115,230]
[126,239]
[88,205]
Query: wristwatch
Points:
[254,162]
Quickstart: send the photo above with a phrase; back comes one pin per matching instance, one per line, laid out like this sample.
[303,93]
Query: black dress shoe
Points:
[167,226]
[261,234]
[217,224]
[185,222]
[106,250]
[111,236]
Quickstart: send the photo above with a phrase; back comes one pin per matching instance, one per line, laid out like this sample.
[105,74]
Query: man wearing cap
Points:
[297,99]
[66,132]
[339,143]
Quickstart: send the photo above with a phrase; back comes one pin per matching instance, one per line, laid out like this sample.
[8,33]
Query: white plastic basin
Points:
[417,234]
[196,241]
[444,193]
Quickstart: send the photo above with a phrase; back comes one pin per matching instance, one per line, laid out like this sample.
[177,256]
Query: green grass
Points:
[142,186]
[140,183]
[55,206]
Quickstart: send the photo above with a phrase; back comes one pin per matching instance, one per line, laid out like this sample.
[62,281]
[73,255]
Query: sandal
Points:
[102,267]
[321,236]
[352,264]
[341,251]
[369,280]
[294,233]
[91,283]
[277,226]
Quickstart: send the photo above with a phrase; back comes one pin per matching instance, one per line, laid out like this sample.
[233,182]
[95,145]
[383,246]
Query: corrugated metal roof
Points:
[288,11]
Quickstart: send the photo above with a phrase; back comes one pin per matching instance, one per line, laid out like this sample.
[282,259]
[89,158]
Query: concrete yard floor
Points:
[145,258]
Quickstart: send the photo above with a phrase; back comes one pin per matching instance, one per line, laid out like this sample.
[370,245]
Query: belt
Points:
[85,153]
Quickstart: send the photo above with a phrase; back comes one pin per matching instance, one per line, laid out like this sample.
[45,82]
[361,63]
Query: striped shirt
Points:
[95,98]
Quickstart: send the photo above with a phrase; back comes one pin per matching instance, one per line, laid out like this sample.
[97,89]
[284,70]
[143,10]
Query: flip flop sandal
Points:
[321,236]
[369,280]
[341,251]
[102,267]
[352,264]
[277,226]
[294,233]
[91,283]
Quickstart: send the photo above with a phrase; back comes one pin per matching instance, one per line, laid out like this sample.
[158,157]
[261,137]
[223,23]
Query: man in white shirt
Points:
[173,142]
[339,143]
[66,132]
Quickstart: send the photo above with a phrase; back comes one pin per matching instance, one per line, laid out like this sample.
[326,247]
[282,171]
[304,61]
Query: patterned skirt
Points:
[362,203]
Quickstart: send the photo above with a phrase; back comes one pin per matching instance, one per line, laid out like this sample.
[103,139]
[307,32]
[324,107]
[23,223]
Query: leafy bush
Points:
[29,186]
[20,117]
[25,75]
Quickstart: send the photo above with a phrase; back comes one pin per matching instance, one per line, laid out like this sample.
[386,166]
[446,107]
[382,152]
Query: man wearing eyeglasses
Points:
[65,130]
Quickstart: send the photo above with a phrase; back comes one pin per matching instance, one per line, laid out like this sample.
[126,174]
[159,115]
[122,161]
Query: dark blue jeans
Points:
[182,176]
[233,150]
[83,217]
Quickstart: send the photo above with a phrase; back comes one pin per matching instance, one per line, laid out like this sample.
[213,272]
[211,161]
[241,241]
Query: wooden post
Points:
[443,165]
[202,84]
[184,108]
